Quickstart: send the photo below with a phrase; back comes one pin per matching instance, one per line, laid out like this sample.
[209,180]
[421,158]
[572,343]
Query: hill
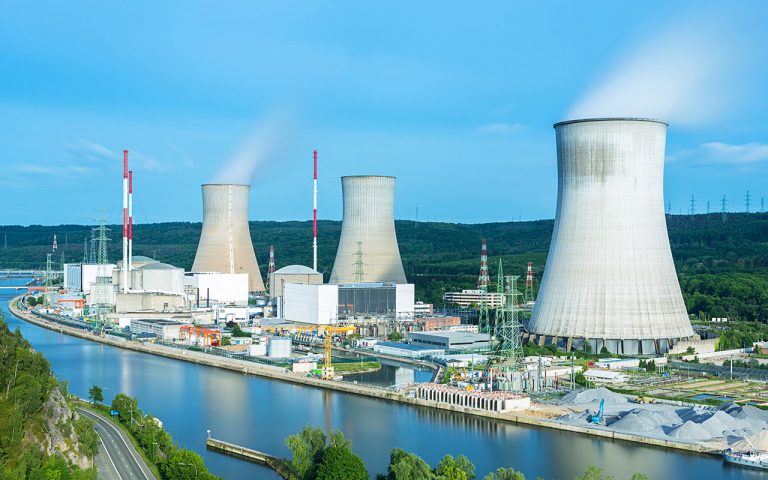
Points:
[723,266]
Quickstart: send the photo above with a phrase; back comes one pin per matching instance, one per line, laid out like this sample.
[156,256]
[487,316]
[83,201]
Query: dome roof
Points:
[297,270]
[157,266]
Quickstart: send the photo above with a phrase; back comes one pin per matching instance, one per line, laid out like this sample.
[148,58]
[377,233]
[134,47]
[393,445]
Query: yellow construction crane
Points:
[327,372]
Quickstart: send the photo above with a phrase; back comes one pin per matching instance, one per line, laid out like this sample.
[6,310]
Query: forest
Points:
[721,260]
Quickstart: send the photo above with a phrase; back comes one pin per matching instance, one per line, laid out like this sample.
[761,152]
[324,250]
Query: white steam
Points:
[260,145]
[687,74]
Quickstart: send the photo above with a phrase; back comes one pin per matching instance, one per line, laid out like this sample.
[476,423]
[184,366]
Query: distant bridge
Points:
[27,273]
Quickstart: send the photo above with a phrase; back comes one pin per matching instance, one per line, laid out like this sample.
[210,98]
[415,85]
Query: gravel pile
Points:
[730,422]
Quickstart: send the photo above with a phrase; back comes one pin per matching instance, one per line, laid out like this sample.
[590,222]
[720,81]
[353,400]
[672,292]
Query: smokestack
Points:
[368,244]
[314,217]
[125,221]
[130,220]
[225,241]
[609,278]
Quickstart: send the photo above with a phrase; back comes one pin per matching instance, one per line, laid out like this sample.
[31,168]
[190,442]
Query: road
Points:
[118,458]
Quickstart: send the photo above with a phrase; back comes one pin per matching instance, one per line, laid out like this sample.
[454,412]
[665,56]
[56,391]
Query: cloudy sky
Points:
[456,99]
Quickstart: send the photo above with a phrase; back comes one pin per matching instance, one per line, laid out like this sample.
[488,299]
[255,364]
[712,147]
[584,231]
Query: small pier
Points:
[279,465]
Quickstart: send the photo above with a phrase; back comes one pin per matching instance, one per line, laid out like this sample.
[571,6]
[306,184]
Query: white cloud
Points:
[728,153]
[501,128]
[63,171]
[91,151]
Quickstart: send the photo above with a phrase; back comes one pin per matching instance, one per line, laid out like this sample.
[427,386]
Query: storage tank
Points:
[609,278]
[225,241]
[279,347]
[368,250]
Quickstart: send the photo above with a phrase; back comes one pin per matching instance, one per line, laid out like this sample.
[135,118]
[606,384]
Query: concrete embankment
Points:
[279,465]
[347,387]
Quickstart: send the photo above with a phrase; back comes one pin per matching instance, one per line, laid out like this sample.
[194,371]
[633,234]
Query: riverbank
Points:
[538,416]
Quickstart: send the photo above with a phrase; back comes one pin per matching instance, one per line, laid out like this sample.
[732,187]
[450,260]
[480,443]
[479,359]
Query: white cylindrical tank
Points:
[279,347]
[225,241]
[368,250]
[609,277]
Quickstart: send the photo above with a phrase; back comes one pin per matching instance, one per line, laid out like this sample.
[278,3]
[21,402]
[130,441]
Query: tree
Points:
[459,468]
[587,347]
[307,448]
[127,408]
[593,473]
[505,474]
[95,394]
[690,351]
[185,464]
[407,466]
[395,337]
[86,436]
[341,463]
[604,351]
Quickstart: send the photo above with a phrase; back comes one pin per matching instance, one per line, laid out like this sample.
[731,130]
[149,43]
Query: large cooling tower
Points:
[368,249]
[609,277]
[225,242]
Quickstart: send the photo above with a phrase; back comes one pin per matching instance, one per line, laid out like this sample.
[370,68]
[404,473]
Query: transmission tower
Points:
[528,298]
[747,201]
[708,210]
[510,348]
[85,250]
[101,293]
[359,264]
[692,206]
[483,280]
[724,209]
[499,314]
[92,255]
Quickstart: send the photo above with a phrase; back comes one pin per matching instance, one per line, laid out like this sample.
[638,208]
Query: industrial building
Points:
[316,304]
[73,277]
[480,400]
[292,274]
[368,250]
[90,271]
[605,376]
[366,300]
[162,329]
[447,340]
[609,278]
[206,289]
[225,241]
[471,298]
[407,350]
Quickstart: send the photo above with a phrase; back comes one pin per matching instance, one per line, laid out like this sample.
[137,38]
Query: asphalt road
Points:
[120,460]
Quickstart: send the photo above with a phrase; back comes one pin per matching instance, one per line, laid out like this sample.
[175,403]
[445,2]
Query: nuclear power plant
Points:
[609,278]
[225,241]
[368,250]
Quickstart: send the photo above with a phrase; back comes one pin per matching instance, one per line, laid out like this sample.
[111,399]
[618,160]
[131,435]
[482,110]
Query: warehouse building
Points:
[162,329]
[366,300]
[73,277]
[469,298]
[447,340]
[206,289]
[406,350]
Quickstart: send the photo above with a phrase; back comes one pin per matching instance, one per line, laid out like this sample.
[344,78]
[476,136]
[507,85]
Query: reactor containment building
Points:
[609,278]
[368,250]
[225,241]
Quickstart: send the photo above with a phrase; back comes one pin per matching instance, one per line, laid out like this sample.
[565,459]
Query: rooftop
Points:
[454,336]
[407,346]
[297,270]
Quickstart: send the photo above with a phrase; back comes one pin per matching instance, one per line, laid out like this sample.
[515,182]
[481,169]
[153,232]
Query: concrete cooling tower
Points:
[609,277]
[225,242]
[368,249]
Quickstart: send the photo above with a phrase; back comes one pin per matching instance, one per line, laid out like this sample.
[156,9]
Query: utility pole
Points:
[724,209]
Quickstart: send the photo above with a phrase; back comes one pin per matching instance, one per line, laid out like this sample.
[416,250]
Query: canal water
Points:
[260,413]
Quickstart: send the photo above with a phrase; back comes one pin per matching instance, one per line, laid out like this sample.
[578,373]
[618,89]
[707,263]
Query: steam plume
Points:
[257,149]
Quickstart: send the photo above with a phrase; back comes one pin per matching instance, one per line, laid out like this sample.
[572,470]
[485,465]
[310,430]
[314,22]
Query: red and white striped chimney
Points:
[130,221]
[125,221]
[314,217]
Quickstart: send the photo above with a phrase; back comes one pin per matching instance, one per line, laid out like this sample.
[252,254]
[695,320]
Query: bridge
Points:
[28,273]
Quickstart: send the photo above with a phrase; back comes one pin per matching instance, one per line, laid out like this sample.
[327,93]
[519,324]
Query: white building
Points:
[206,289]
[467,298]
[421,309]
[315,304]
[617,363]
[164,329]
[90,271]
[73,277]
[406,350]
[605,376]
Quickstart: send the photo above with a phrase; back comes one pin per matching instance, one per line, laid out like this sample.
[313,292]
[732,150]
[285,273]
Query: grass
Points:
[104,410]
[355,367]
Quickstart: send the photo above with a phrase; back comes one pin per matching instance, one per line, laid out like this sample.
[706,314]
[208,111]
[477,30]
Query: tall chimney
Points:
[125,221]
[314,217]
[130,220]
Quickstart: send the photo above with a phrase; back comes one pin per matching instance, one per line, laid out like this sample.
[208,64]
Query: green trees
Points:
[173,463]
[313,459]
[395,337]
[95,394]
[505,474]
[407,466]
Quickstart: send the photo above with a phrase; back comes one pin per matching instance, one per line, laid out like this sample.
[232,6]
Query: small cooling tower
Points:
[368,249]
[609,277]
[225,242]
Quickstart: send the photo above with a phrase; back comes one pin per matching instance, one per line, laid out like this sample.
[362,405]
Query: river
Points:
[260,413]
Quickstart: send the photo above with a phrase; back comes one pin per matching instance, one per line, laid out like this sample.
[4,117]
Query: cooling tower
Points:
[225,242]
[609,277]
[368,249]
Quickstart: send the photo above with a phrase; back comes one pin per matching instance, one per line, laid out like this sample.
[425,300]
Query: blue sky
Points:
[456,99]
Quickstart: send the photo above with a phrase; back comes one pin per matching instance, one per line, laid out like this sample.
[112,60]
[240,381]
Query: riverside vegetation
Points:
[41,435]
[722,265]
[320,457]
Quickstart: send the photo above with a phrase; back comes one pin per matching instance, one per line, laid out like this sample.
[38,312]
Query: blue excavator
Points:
[597,418]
